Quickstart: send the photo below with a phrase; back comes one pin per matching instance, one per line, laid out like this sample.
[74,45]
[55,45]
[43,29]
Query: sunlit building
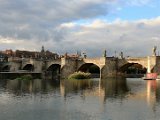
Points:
[29,54]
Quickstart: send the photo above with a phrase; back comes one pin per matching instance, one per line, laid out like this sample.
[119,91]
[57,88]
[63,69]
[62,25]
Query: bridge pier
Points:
[15,66]
[68,66]
[109,69]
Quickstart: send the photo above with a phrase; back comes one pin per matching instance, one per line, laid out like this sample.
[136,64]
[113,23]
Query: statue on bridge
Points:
[85,55]
[121,55]
[154,50]
[66,55]
[105,53]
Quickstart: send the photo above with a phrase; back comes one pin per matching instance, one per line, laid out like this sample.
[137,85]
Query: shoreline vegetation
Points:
[80,75]
[25,77]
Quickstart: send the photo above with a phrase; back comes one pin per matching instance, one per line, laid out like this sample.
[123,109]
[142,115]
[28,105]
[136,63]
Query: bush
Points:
[25,77]
[80,75]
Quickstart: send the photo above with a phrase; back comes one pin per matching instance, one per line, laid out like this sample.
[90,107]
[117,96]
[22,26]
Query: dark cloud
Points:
[28,24]
[42,17]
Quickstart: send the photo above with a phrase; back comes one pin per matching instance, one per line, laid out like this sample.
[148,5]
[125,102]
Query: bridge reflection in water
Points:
[102,98]
[107,88]
[104,89]
[153,92]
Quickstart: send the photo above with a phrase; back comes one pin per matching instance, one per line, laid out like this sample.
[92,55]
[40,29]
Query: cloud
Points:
[22,19]
[29,24]
[137,2]
[37,19]
[133,38]
[7,43]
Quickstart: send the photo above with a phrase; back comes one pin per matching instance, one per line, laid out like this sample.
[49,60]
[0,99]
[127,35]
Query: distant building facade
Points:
[28,54]
[3,57]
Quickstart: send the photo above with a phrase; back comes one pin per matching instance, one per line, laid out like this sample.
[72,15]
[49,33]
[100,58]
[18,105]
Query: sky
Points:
[90,26]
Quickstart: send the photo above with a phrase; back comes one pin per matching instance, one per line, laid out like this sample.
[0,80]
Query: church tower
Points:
[42,51]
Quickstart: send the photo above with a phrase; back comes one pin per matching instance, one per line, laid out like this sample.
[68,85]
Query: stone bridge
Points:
[108,66]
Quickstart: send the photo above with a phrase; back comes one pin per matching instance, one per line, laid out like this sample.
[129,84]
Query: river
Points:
[110,99]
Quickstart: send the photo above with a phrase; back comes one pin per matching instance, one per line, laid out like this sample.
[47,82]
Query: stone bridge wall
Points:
[141,61]
[108,66]
[68,66]
[15,66]
[38,64]
[109,69]
[157,66]
[49,63]
[100,62]
[144,61]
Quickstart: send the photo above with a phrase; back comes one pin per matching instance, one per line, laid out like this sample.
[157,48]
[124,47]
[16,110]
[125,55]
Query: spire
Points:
[42,49]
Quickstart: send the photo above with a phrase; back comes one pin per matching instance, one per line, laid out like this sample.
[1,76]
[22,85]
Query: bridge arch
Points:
[5,68]
[133,68]
[28,67]
[53,71]
[91,68]
[54,67]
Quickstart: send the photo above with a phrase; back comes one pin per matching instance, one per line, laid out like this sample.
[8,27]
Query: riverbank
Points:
[14,75]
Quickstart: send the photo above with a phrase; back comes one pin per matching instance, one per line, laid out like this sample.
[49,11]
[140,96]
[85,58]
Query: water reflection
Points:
[75,86]
[115,88]
[108,88]
[151,86]
[153,92]
[20,87]
[105,89]
[97,99]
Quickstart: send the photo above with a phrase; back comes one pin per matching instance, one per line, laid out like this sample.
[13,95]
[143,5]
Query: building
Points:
[3,57]
[28,54]
[35,54]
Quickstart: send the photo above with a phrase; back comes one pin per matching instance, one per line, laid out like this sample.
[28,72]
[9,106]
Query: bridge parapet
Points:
[100,62]
[51,62]
[14,59]
[141,58]
[147,62]
[141,61]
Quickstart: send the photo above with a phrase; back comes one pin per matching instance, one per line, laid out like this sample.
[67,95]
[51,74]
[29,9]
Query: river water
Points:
[110,99]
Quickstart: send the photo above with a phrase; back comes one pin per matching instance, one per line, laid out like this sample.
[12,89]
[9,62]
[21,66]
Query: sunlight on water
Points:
[109,99]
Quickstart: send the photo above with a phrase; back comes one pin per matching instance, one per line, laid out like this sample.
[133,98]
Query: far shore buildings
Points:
[28,54]
[41,55]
